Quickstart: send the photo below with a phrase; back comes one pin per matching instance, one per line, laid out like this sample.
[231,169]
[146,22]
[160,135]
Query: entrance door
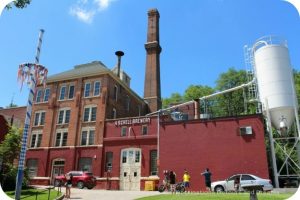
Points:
[130,172]
[58,167]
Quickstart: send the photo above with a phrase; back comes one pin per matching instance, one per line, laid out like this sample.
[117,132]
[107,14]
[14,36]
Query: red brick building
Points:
[88,118]
[11,116]
[194,144]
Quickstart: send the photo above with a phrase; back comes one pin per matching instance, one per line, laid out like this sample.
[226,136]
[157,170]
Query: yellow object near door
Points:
[149,186]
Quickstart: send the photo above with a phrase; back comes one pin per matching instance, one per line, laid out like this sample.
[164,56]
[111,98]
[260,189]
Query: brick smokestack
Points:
[152,77]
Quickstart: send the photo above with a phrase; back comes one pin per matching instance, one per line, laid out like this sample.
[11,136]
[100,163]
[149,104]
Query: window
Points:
[127,103]
[46,94]
[64,116]
[87,89]
[36,138]
[39,118]
[71,91]
[139,110]
[114,113]
[38,96]
[90,114]
[115,93]
[32,165]
[85,164]
[247,178]
[144,130]
[137,156]
[234,177]
[153,162]
[97,88]
[61,138]
[62,93]
[108,160]
[123,131]
[87,136]
[124,157]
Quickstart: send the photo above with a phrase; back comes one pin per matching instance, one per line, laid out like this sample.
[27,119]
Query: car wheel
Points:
[57,183]
[219,188]
[80,185]
[89,186]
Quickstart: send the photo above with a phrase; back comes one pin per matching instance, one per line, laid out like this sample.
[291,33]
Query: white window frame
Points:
[61,132]
[32,169]
[127,102]
[70,90]
[40,118]
[114,113]
[44,99]
[64,115]
[147,129]
[88,130]
[60,93]
[116,90]
[39,94]
[123,133]
[90,89]
[90,107]
[38,134]
[95,88]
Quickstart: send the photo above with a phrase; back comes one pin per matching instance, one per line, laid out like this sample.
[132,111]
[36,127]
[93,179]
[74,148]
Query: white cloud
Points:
[85,10]
[103,4]
[83,15]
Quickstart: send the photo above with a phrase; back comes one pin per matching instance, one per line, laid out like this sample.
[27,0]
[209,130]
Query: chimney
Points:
[152,93]
[119,54]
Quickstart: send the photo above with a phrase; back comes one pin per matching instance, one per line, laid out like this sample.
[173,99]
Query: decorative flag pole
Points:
[33,74]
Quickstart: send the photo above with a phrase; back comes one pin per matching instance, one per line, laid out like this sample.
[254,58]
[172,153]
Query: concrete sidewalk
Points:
[108,194]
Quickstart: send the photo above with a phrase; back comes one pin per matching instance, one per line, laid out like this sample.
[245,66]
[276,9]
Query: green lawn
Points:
[217,196]
[30,194]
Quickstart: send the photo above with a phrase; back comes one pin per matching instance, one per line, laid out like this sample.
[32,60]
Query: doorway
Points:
[130,169]
[58,168]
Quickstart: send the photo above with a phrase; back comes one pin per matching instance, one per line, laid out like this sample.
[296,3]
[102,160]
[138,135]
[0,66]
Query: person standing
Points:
[186,180]
[172,181]
[207,174]
[69,179]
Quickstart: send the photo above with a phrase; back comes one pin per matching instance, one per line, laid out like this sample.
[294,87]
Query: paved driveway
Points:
[108,194]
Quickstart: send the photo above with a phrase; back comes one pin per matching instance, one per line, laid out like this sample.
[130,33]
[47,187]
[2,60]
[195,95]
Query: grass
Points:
[30,194]
[217,196]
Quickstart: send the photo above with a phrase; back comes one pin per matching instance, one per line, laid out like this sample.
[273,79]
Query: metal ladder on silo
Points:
[252,89]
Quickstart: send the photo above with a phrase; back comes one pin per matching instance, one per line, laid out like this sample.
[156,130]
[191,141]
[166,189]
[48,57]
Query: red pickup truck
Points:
[80,179]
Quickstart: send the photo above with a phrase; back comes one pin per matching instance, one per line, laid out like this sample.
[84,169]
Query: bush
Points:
[8,182]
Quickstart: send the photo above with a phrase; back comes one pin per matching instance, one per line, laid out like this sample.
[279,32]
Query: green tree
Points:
[174,99]
[19,4]
[12,105]
[231,103]
[197,91]
[297,83]
[9,152]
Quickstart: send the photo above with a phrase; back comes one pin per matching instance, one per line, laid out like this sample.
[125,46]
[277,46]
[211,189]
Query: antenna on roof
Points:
[12,100]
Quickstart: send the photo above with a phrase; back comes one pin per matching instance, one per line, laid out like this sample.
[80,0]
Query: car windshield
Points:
[89,173]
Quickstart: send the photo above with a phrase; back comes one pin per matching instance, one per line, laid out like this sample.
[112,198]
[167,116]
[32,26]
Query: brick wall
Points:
[214,144]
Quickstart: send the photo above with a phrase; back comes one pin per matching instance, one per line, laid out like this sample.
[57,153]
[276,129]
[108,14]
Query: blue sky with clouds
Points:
[200,38]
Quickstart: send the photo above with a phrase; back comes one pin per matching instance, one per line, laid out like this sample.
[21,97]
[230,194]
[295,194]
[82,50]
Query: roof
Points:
[84,70]
[18,112]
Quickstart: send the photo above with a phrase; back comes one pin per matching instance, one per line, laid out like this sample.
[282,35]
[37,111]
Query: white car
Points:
[244,179]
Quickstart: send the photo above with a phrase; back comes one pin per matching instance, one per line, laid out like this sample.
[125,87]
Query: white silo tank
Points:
[275,82]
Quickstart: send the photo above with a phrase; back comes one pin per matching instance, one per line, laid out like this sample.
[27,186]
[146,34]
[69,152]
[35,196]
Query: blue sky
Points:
[200,39]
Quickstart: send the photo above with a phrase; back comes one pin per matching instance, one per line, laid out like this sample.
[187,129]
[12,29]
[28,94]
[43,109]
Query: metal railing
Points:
[41,191]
